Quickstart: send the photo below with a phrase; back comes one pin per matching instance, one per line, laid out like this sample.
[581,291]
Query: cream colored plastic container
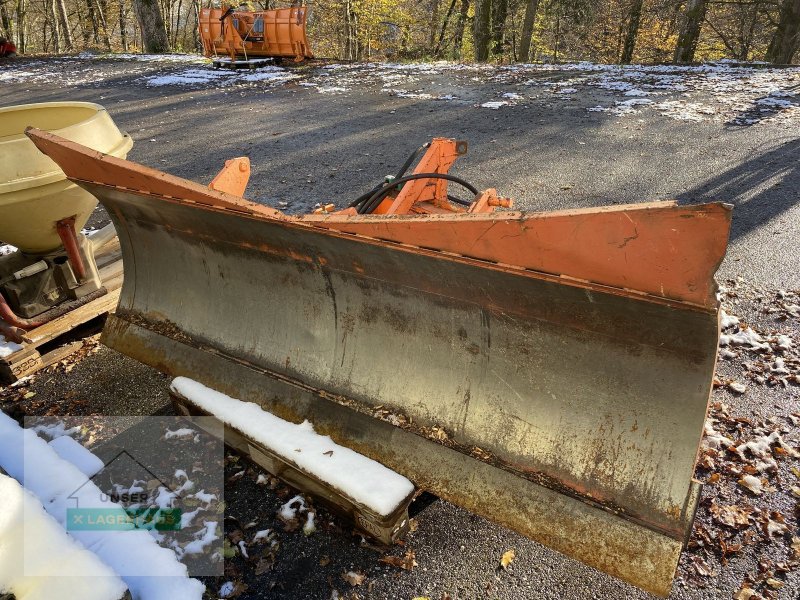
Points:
[34,192]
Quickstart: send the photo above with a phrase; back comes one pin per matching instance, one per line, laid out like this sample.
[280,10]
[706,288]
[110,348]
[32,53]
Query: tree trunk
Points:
[7,23]
[93,22]
[438,49]
[634,18]
[123,26]
[693,17]
[154,34]
[177,24]
[458,34]
[21,24]
[527,30]
[499,14]
[196,29]
[480,29]
[54,26]
[351,49]
[787,35]
[434,23]
[101,13]
[64,22]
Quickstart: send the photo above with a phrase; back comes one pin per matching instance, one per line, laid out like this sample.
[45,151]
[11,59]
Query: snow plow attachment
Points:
[549,371]
[244,34]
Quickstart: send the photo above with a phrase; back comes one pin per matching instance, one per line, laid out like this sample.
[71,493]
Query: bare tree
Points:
[787,35]
[480,29]
[693,17]
[151,21]
[527,30]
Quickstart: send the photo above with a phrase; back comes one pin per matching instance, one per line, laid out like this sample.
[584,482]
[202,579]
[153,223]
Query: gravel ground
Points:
[325,134]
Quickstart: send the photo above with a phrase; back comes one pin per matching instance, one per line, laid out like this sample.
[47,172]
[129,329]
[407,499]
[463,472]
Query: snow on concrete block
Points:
[73,452]
[150,571]
[362,479]
[39,560]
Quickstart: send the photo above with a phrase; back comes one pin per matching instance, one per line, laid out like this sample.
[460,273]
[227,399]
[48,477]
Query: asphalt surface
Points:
[548,153]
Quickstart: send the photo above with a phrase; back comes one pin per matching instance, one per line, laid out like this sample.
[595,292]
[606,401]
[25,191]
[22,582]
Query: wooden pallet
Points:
[64,335]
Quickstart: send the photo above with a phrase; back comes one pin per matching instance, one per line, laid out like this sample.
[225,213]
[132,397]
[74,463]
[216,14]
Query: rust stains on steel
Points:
[650,250]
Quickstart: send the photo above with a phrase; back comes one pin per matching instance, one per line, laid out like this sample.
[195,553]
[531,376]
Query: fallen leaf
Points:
[737,517]
[775,584]
[795,545]
[507,558]
[265,563]
[406,562]
[324,561]
[354,578]
[702,567]
[744,593]
[775,525]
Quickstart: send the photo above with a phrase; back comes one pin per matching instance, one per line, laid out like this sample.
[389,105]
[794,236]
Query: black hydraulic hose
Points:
[459,201]
[411,158]
[409,161]
[376,198]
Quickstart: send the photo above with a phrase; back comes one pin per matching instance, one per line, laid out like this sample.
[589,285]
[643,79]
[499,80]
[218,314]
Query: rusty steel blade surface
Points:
[568,409]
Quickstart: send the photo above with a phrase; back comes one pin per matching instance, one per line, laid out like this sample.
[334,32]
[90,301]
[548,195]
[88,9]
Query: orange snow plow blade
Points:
[279,33]
[549,371]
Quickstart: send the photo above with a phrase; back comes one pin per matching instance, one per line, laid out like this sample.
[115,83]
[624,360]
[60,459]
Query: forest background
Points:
[615,31]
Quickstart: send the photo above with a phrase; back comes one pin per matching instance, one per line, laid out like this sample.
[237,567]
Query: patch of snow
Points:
[727,321]
[203,538]
[226,589]
[262,535]
[495,104]
[361,478]
[56,430]
[149,570]
[7,347]
[713,438]
[784,343]
[243,549]
[39,560]
[188,517]
[745,337]
[73,452]
[204,497]
[309,527]
[183,432]
[202,77]
[288,511]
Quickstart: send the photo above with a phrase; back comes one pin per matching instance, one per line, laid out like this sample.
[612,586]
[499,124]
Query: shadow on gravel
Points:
[761,188]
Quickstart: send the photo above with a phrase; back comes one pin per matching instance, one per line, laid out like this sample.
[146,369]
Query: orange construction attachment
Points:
[549,371]
[279,33]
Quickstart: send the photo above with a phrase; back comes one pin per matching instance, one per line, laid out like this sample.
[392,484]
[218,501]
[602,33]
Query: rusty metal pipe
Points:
[13,320]
[66,231]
